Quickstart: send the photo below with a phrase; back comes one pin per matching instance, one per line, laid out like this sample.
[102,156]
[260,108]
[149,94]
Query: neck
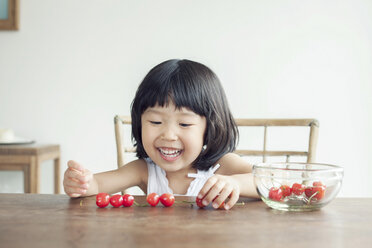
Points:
[178,181]
[180,174]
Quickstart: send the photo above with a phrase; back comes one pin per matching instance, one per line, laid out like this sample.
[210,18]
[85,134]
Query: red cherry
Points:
[298,189]
[316,192]
[102,200]
[318,184]
[309,191]
[321,192]
[116,201]
[199,203]
[167,199]
[320,188]
[275,194]
[153,199]
[128,200]
[287,191]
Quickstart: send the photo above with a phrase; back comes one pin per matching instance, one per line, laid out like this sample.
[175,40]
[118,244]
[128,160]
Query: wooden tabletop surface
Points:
[32,220]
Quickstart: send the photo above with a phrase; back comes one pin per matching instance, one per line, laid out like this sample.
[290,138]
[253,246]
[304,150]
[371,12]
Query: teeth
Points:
[170,153]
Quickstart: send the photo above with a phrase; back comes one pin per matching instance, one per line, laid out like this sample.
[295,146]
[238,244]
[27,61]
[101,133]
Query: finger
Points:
[88,175]
[74,195]
[213,192]
[207,186]
[76,184]
[72,173]
[72,192]
[222,196]
[75,165]
[234,197]
[68,177]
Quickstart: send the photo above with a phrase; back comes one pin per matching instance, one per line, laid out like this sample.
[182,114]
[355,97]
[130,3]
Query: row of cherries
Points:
[316,192]
[127,200]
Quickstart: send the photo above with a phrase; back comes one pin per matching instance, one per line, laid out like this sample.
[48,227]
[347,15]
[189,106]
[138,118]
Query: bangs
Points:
[182,91]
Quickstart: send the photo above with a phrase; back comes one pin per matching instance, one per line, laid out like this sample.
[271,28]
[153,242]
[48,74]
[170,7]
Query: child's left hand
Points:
[217,189]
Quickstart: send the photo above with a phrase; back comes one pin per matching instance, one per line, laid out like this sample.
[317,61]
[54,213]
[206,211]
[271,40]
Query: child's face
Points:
[172,138]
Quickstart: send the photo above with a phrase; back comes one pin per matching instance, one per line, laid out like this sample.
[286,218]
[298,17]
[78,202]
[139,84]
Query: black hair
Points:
[194,86]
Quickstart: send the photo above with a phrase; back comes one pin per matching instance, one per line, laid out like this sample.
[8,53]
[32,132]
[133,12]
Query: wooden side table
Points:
[28,158]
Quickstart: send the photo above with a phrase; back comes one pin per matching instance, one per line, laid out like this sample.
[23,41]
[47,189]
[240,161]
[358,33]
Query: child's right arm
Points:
[79,181]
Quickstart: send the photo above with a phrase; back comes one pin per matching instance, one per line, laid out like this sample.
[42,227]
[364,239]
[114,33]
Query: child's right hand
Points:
[77,179]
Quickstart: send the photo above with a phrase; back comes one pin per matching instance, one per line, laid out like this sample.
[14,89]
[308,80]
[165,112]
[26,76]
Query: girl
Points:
[184,134]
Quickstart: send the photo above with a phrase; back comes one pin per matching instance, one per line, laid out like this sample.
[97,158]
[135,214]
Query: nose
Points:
[169,133]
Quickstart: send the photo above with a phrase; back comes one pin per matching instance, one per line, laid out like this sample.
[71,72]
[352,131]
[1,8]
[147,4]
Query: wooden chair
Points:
[309,154]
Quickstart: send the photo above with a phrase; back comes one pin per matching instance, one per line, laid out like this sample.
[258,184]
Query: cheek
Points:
[146,137]
[149,139]
[194,140]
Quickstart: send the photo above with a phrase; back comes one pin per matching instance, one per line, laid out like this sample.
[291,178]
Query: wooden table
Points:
[30,220]
[28,158]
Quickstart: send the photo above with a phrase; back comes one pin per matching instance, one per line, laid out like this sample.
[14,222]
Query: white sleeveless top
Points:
[158,183]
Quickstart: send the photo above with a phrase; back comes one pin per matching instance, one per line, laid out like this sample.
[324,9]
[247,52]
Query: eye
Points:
[185,125]
[155,122]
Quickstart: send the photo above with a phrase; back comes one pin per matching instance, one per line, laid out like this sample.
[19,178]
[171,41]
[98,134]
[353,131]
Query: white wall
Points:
[73,65]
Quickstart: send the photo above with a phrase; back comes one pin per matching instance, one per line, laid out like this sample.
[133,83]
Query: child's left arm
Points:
[232,179]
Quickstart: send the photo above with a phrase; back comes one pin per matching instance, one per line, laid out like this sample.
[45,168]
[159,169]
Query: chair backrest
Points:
[309,154]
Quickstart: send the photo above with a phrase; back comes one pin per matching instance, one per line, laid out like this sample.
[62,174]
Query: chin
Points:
[170,167]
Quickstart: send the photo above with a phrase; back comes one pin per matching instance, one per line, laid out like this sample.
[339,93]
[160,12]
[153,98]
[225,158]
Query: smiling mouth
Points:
[169,153]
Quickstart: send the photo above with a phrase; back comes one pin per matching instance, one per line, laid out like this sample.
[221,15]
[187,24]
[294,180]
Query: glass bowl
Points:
[297,186]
